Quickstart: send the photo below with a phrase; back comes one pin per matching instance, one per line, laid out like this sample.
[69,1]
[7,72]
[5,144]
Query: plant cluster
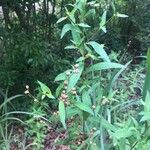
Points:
[100,101]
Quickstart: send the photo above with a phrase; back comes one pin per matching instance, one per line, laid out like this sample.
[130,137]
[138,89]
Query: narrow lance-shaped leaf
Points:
[62,113]
[84,107]
[100,50]
[66,28]
[76,35]
[103,22]
[75,76]
[70,47]
[61,19]
[115,76]
[62,76]
[84,25]
[121,15]
[104,66]
[146,87]
[147,103]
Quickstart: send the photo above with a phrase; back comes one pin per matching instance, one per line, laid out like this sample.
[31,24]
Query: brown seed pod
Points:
[74,92]
[65,82]
[76,66]
[64,96]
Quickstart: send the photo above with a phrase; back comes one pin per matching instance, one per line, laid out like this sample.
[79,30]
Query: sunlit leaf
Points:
[121,15]
[70,47]
[103,22]
[61,77]
[45,89]
[61,19]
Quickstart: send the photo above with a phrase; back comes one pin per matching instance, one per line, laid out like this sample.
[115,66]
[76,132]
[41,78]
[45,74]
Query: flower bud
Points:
[76,66]
[93,106]
[68,73]
[65,82]
[26,92]
[27,87]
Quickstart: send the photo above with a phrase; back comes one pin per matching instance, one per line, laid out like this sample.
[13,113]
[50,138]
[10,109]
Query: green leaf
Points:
[66,28]
[70,47]
[104,122]
[59,89]
[121,15]
[146,87]
[86,97]
[8,100]
[125,132]
[145,116]
[61,77]
[100,50]
[75,76]
[80,59]
[71,111]
[75,31]
[84,25]
[104,66]
[103,22]
[61,19]
[62,113]
[115,76]
[46,91]
[84,107]
[147,103]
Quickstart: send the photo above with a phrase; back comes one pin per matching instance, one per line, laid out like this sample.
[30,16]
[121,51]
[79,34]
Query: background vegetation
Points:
[80,68]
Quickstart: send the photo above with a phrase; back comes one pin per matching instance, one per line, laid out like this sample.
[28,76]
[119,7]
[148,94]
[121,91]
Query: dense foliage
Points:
[83,68]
